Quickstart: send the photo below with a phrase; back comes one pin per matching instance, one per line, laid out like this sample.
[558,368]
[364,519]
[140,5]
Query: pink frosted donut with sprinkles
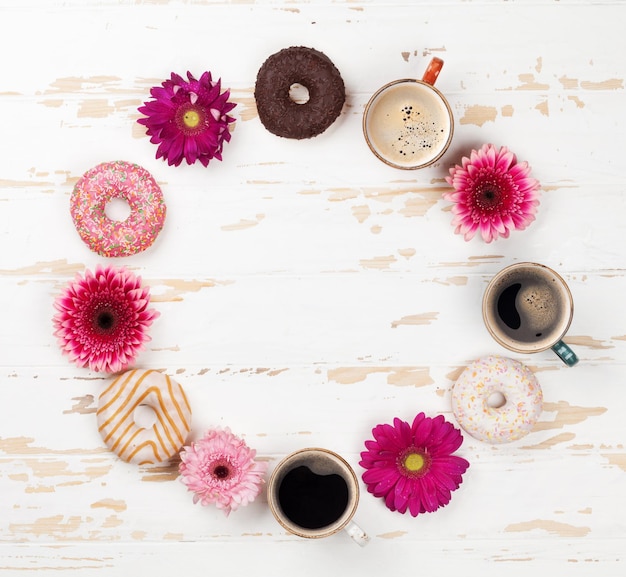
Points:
[126,181]
[497,400]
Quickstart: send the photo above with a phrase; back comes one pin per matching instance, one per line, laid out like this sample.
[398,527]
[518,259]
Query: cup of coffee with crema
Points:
[408,123]
[314,493]
[527,308]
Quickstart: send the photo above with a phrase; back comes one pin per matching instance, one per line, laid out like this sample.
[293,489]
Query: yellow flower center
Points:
[413,462]
[191,118]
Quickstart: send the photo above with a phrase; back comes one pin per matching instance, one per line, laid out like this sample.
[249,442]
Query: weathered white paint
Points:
[307,291]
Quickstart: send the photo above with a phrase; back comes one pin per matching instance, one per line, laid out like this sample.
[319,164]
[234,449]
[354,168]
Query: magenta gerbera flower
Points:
[412,466]
[493,193]
[188,119]
[220,469]
[102,319]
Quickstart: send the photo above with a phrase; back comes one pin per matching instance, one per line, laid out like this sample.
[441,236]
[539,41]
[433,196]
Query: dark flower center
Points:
[105,320]
[221,472]
[494,192]
[489,195]
[109,322]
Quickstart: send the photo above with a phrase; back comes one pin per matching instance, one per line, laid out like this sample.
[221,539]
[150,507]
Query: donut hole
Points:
[144,416]
[117,209]
[299,93]
[496,400]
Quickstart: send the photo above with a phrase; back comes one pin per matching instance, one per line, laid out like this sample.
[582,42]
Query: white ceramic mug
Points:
[314,493]
[408,123]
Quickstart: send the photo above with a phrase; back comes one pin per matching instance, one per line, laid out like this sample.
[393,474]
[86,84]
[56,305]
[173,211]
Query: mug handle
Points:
[567,355]
[357,534]
[432,71]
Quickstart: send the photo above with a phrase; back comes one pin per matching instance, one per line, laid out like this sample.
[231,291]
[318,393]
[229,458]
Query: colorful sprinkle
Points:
[130,182]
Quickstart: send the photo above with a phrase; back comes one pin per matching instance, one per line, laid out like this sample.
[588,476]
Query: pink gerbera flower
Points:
[220,469]
[188,119]
[493,193]
[102,319]
[412,466]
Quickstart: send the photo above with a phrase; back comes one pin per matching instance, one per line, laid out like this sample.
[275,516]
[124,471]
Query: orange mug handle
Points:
[433,70]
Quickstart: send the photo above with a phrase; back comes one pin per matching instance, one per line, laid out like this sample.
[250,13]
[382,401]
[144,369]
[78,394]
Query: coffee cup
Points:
[527,308]
[314,493]
[408,123]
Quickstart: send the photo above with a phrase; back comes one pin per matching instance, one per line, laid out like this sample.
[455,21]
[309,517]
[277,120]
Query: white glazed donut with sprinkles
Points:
[497,399]
[116,417]
[131,183]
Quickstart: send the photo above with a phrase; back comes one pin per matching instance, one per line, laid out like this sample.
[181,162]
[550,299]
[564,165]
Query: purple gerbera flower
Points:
[188,119]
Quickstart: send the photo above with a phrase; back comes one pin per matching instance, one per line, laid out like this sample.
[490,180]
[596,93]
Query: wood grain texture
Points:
[309,292]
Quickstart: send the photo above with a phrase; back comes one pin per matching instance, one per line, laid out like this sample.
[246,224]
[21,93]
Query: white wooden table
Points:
[309,292]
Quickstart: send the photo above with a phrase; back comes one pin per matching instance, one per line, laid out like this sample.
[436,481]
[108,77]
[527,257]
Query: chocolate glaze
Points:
[311,69]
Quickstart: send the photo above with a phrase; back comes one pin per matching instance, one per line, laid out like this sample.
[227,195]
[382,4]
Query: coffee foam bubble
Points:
[539,305]
[408,124]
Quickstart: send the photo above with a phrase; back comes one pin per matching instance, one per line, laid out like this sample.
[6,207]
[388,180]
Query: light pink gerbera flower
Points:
[188,119]
[493,193]
[220,469]
[102,319]
[412,466]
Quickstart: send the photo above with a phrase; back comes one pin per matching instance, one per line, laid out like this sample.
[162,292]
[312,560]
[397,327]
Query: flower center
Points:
[105,320]
[490,196]
[413,462]
[191,118]
[493,193]
[221,472]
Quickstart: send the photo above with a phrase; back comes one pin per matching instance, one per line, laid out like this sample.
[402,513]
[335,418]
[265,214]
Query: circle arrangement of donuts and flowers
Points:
[103,317]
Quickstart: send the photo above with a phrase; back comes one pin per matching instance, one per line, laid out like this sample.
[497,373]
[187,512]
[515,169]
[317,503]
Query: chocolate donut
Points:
[311,69]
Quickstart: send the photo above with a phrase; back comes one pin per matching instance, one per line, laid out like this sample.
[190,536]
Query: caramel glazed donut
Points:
[309,68]
[116,419]
[500,423]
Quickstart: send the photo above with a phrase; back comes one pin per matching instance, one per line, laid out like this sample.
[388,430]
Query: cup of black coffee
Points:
[314,493]
[527,308]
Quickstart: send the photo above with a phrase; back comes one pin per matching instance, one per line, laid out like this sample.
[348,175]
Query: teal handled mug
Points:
[314,493]
[408,123]
[527,308]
